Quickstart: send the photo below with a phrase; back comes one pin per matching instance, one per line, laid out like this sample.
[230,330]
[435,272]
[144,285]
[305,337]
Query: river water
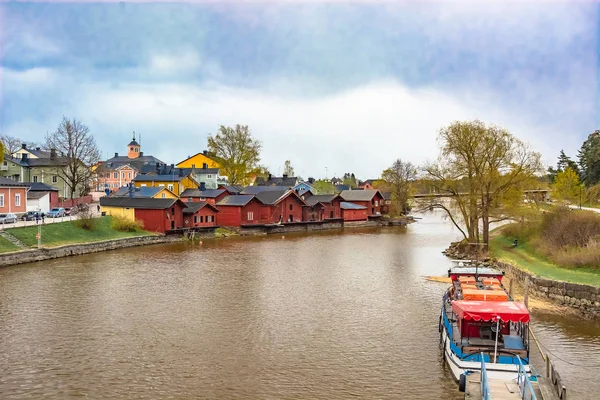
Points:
[329,315]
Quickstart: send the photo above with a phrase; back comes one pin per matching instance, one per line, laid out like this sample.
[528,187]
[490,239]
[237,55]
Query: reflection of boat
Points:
[479,321]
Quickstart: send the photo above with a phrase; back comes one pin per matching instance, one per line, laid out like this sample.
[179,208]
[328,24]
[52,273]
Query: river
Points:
[329,315]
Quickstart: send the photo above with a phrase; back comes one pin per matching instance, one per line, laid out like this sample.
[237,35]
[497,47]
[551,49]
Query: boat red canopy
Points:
[490,310]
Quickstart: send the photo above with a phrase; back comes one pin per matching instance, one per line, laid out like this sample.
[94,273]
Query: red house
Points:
[279,206]
[210,196]
[353,212]
[13,196]
[238,210]
[268,207]
[322,207]
[199,214]
[372,200]
[158,215]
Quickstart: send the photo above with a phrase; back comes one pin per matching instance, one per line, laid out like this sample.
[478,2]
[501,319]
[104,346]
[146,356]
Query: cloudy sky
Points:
[350,87]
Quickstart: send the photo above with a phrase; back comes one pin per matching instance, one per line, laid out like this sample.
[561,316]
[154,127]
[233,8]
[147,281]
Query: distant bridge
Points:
[541,194]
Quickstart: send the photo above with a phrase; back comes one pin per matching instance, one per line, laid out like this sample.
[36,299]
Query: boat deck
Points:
[499,389]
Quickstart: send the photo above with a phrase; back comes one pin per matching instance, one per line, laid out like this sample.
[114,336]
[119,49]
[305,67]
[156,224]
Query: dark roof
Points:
[193,207]
[199,171]
[270,197]
[387,195]
[39,153]
[359,195]
[258,189]
[143,164]
[277,181]
[369,181]
[133,143]
[36,195]
[12,183]
[138,202]
[138,191]
[320,198]
[236,200]
[45,162]
[208,193]
[18,161]
[232,188]
[351,206]
[158,178]
[40,187]
[341,188]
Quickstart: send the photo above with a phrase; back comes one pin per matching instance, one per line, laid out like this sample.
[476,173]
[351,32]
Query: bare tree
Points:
[11,143]
[74,151]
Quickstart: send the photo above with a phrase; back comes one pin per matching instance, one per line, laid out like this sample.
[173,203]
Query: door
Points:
[291,218]
[172,224]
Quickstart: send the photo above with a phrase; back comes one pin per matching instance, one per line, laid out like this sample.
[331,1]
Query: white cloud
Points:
[361,130]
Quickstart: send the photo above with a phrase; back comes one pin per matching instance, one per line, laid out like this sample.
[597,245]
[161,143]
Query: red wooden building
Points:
[322,207]
[158,215]
[372,200]
[210,196]
[238,210]
[353,212]
[13,196]
[268,207]
[280,206]
[199,214]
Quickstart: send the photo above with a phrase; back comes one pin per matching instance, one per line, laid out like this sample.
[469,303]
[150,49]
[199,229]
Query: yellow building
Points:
[198,160]
[176,184]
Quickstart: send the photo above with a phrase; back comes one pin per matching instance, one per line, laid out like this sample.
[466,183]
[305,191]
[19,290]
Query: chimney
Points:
[285,176]
[52,154]
[141,153]
[130,190]
[116,154]
[270,176]
[202,186]
[205,152]
[157,167]
[180,172]
[164,169]
[311,180]
[24,145]
[37,148]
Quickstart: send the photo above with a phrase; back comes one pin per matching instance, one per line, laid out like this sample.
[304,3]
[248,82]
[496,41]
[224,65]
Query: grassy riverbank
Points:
[527,258]
[63,233]
[6,246]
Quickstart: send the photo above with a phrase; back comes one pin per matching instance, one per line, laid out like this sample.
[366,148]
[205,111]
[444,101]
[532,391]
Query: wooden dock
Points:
[502,390]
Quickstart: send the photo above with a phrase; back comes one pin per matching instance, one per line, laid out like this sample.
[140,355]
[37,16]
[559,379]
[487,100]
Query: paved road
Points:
[47,220]
[574,207]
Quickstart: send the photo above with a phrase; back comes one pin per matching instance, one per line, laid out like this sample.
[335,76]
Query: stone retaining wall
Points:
[27,256]
[586,298]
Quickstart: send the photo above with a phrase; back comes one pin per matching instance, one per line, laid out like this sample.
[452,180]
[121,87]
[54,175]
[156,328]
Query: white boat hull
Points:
[494,370]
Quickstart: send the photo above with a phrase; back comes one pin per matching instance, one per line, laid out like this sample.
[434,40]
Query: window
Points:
[209,176]
[376,203]
[17,200]
[123,175]
[54,178]
[1,200]
[195,219]
[161,185]
[143,185]
[116,175]
[250,216]
[190,199]
[116,185]
[193,165]
[130,175]
[170,187]
[35,178]
[5,163]
[291,207]
[137,150]
[131,148]
[164,195]
[202,219]
[108,175]
[372,211]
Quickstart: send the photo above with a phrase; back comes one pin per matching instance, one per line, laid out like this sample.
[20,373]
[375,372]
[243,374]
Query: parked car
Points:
[67,211]
[9,218]
[56,213]
[30,215]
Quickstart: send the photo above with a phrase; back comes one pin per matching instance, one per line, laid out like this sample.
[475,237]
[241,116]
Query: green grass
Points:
[525,257]
[62,233]
[6,246]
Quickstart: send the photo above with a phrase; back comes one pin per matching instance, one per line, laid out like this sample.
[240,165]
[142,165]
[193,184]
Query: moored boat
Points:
[479,321]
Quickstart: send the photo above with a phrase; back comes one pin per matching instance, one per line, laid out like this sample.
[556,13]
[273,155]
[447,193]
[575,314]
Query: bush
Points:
[86,220]
[126,225]
[564,227]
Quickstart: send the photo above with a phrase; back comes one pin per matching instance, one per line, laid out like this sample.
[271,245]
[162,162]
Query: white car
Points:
[9,218]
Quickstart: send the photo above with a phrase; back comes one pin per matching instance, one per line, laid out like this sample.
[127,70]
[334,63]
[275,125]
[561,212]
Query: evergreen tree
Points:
[589,159]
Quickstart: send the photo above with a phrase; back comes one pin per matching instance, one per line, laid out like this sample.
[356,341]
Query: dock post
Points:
[510,288]
[547,366]
[526,298]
